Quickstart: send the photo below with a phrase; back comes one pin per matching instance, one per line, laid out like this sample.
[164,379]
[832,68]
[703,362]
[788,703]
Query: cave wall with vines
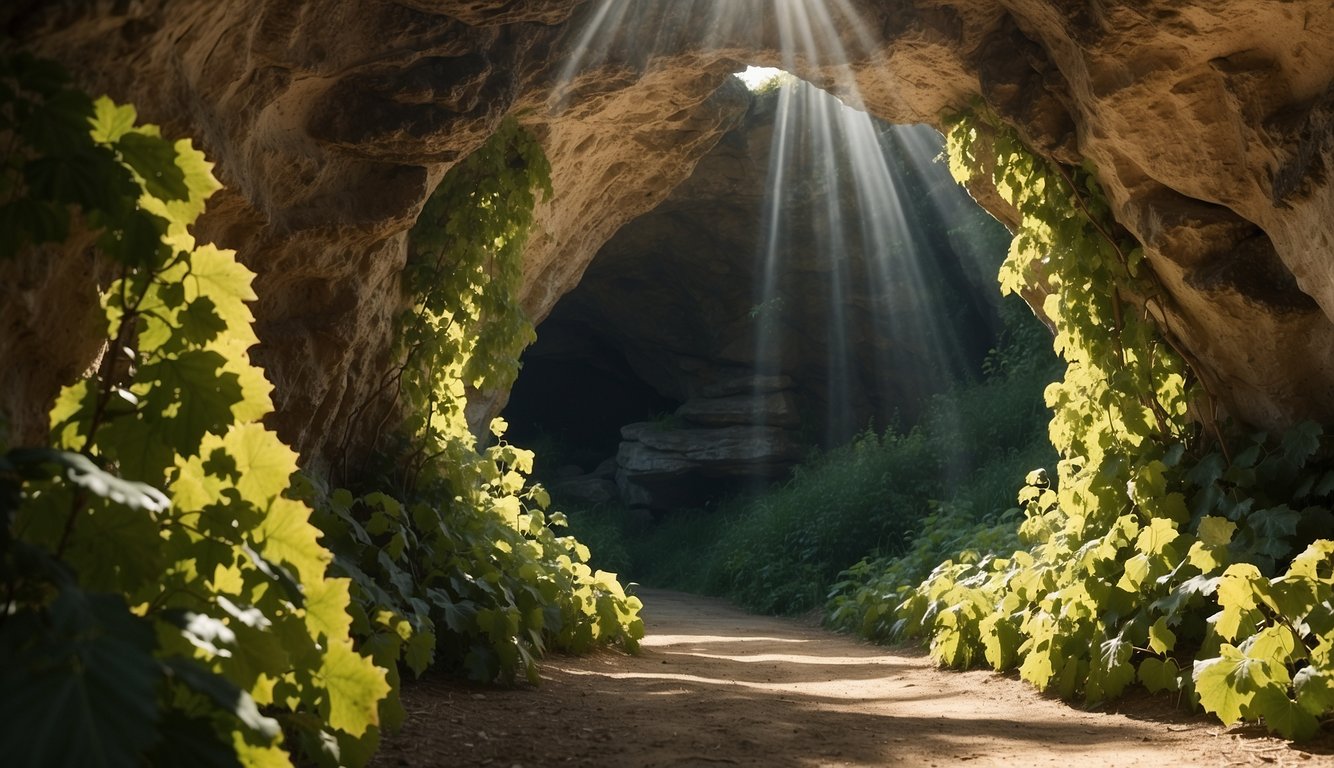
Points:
[1210,127]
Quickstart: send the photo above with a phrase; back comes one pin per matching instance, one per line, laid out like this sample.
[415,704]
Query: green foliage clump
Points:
[166,600]
[170,595]
[1148,557]
[607,530]
[778,553]
[451,553]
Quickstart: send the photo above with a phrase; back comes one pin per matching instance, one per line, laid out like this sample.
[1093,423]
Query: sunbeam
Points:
[873,251]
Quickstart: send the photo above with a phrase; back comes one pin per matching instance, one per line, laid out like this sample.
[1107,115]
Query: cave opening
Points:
[817,277]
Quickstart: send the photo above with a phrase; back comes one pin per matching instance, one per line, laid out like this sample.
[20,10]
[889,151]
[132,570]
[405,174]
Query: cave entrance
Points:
[818,275]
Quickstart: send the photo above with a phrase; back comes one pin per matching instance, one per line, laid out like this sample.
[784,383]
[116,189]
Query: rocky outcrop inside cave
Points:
[736,433]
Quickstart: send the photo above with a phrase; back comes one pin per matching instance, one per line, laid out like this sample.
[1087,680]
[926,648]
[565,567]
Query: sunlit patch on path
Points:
[715,686]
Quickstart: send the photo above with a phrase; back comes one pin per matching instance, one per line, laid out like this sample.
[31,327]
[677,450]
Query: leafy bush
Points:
[604,529]
[779,552]
[1149,557]
[168,599]
[449,549]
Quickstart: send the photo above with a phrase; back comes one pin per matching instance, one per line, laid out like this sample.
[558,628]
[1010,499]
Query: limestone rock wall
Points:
[1211,125]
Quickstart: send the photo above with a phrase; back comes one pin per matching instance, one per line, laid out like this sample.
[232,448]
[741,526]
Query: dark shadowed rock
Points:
[665,466]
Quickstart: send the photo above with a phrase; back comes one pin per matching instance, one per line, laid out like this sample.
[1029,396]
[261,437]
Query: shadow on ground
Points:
[715,686]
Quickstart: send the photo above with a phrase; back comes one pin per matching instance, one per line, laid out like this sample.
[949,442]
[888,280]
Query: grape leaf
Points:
[225,694]
[82,692]
[109,121]
[1159,674]
[1161,638]
[189,396]
[1227,685]
[1315,690]
[1282,714]
[286,535]
[326,608]
[354,686]
[154,159]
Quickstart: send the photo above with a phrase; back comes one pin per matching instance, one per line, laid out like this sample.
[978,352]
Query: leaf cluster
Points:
[166,599]
[1148,557]
[452,556]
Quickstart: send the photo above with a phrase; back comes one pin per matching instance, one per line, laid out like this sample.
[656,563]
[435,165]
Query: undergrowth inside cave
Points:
[780,549]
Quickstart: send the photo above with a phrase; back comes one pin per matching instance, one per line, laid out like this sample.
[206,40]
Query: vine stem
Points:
[1194,367]
[106,389]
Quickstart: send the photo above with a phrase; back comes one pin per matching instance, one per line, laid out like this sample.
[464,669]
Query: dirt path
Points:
[715,686]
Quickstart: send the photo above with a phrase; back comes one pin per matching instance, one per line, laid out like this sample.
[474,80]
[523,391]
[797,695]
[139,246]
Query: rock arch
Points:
[1211,126]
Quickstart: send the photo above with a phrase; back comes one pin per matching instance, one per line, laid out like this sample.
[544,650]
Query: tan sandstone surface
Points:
[1211,126]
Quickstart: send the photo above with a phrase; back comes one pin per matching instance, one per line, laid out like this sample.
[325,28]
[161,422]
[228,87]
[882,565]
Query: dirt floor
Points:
[716,686]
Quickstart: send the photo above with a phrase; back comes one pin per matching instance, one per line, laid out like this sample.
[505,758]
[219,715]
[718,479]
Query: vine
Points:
[1148,557]
[166,601]
[174,590]
[452,545]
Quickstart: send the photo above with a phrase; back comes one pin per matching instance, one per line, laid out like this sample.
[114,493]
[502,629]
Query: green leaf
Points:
[1272,644]
[326,608]
[1161,639]
[1227,685]
[354,686]
[1315,690]
[192,741]
[88,179]
[420,651]
[190,395]
[285,535]
[82,692]
[216,274]
[1159,675]
[154,159]
[1157,536]
[1216,531]
[1301,442]
[82,472]
[199,323]
[1239,592]
[225,694]
[116,547]
[264,465]
[110,122]
[1282,714]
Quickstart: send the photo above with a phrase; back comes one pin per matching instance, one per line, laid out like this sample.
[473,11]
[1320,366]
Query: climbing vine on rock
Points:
[449,546]
[166,601]
[1154,555]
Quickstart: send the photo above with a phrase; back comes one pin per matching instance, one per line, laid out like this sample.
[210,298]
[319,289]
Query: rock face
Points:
[736,432]
[1211,126]
[667,467]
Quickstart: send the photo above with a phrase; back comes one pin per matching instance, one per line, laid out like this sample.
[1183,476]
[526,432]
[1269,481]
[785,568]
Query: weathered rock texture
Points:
[1211,125]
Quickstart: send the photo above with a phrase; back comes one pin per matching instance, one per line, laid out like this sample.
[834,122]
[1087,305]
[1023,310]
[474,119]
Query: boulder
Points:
[774,408]
[586,490]
[664,466]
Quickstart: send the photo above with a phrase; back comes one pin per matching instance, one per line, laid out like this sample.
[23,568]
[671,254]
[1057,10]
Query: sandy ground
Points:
[716,686]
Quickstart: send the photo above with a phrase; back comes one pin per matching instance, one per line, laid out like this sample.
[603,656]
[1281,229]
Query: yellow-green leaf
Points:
[354,686]
[326,608]
[286,535]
